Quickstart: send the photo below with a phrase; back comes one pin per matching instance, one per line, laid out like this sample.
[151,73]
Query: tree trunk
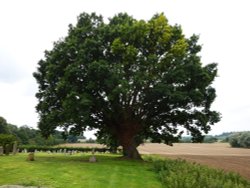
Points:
[126,136]
[130,151]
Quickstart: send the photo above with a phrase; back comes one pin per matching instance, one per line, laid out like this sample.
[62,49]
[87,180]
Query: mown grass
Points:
[182,174]
[73,171]
[111,171]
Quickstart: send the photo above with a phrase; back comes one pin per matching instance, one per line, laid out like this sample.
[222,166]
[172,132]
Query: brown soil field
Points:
[216,155]
[90,145]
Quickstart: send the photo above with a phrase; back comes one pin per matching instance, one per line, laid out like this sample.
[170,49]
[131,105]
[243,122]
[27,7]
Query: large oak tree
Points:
[130,79]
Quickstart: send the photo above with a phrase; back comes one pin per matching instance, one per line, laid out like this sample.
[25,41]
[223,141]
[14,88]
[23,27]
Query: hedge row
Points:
[31,148]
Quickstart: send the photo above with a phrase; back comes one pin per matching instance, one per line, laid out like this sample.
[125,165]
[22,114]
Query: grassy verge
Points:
[181,174]
[73,171]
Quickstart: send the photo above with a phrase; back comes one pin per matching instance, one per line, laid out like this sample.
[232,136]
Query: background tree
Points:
[240,139]
[3,126]
[132,79]
[7,141]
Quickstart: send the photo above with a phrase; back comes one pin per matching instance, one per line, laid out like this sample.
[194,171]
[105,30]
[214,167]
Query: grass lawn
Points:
[73,171]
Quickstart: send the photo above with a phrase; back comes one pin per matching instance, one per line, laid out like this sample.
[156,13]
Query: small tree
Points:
[7,141]
[241,139]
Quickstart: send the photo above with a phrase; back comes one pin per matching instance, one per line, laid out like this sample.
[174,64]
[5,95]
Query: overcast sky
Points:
[29,27]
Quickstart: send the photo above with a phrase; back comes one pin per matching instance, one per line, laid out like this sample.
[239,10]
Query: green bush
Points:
[182,174]
[7,141]
[241,140]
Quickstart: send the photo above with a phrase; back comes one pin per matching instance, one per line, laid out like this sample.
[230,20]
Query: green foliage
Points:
[71,139]
[185,139]
[210,139]
[207,139]
[241,140]
[224,137]
[90,140]
[109,141]
[7,141]
[131,79]
[182,174]
[29,135]
[3,126]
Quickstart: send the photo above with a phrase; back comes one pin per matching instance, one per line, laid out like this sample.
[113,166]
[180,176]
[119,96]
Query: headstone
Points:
[31,156]
[14,151]
[1,150]
[7,149]
[92,159]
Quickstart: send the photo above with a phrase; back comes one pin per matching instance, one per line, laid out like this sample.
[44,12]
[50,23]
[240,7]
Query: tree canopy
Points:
[130,79]
[3,126]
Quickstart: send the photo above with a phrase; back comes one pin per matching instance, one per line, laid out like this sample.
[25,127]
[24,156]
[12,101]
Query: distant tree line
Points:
[207,139]
[235,139]
[25,135]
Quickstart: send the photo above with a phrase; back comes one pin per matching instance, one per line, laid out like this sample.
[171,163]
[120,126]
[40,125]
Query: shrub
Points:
[241,139]
[181,174]
[7,141]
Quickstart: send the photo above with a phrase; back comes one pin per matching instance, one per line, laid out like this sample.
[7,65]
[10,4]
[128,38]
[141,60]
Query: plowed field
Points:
[218,155]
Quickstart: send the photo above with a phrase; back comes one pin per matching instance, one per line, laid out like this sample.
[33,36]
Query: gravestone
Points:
[65,151]
[1,150]
[14,151]
[31,156]
[92,159]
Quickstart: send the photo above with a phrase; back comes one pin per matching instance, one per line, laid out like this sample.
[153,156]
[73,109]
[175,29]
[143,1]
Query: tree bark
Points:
[130,151]
[126,136]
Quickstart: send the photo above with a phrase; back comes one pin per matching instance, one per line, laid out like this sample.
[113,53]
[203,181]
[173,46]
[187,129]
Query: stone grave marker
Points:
[92,159]
[31,156]
[1,150]
[14,151]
